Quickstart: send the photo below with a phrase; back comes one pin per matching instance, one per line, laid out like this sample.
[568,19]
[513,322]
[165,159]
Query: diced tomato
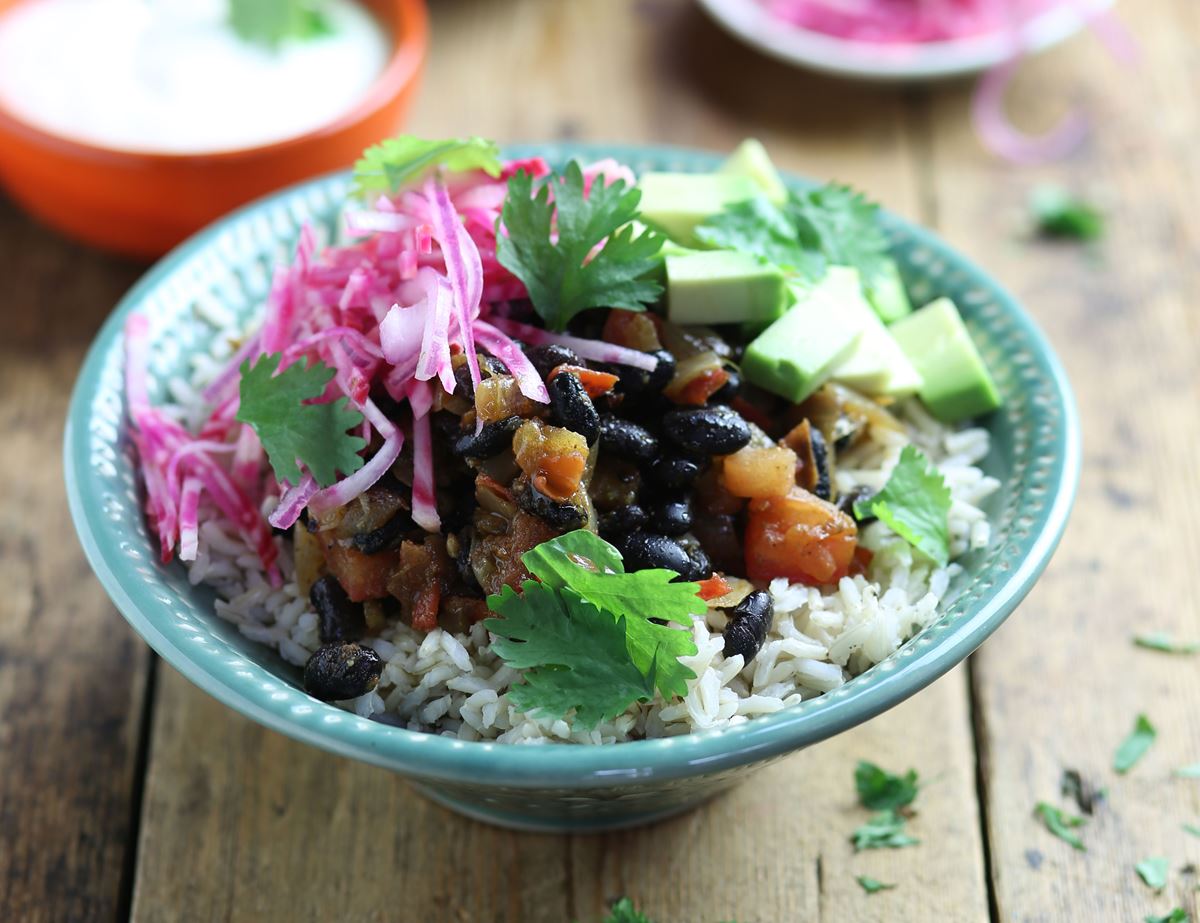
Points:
[632,329]
[753,413]
[702,387]
[594,383]
[800,537]
[425,607]
[558,476]
[862,560]
[362,576]
[712,588]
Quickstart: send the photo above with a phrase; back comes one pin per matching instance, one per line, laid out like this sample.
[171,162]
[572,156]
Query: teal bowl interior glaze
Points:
[1035,454]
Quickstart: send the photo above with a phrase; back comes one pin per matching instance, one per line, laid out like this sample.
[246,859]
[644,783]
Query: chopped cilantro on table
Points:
[1058,213]
[872,885]
[1061,824]
[880,790]
[397,162]
[1134,747]
[1177,915]
[550,238]
[1193,829]
[1161,641]
[623,911]
[915,504]
[1188,772]
[270,22]
[1153,872]
[291,428]
[885,830]
[583,635]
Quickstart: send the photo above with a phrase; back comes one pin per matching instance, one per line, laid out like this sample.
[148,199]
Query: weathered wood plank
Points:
[1060,685]
[72,676]
[268,829]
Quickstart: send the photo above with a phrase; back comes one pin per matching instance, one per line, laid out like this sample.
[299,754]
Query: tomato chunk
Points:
[713,588]
[594,383]
[800,537]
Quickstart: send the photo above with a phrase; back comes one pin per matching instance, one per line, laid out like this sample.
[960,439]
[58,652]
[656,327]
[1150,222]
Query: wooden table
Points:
[125,791]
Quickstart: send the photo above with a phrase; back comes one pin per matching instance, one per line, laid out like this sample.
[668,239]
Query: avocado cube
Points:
[751,160]
[956,384]
[887,295]
[796,354]
[876,365]
[723,287]
[675,203]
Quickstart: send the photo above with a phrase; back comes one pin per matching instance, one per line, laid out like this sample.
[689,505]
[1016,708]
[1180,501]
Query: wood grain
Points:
[1060,685]
[271,830]
[72,676]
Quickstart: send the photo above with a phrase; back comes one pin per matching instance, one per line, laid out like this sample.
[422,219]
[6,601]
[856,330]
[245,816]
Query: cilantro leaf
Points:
[293,430]
[1058,213]
[1188,772]
[573,655]
[915,504]
[1134,747]
[759,227]
[1061,824]
[401,161]
[872,885]
[565,276]
[623,911]
[270,22]
[1177,915]
[1161,641]
[1193,829]
[880,790]
[1154,872]
[883,830]
[592,567]
[845,225]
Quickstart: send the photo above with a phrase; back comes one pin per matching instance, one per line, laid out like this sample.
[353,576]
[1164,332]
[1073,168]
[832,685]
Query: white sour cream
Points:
[172,76]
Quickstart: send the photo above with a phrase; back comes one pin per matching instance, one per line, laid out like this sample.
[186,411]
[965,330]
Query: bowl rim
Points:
[856,59]
[436,758]
[403,68]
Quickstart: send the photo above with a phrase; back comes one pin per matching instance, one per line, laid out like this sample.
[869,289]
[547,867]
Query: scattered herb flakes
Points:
[872,885]
[915,504]
[1193,829]
[1059,213]
[271,22]
[1178,915]
[1061,824]
[395,162]
[551,245]
[1134,747]
[1153,872]
[276,404]
[623,911]
[885,830]
[880,790]
[1161,641]
[1081,792]
[1189,772]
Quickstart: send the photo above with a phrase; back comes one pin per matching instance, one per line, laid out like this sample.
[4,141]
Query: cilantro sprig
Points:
[872,885]
[880,790]
[271,22]
[583,635]
[1164,643]
[1154,872]
[1177,915]
[915,504]
[885,830]
[1134,747]
[1059,213]
[550,241]
[278,405]
[401,161]
[1061,824]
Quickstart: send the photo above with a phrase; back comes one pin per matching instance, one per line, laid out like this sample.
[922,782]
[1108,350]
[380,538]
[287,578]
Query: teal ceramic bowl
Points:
[1036,451]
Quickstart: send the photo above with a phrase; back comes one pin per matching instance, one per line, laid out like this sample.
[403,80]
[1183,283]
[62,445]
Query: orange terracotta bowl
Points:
[142,204]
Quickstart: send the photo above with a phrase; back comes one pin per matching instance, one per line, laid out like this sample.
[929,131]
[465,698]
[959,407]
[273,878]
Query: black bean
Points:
[386,536]
[642,550]
[847,500]
[820,454]
[342,671]
[731,389]
[674,470]
[623,521]
[562,515]
[462,560]
[699,565]
[712,430]
[571,408]
[626,439]
[338,618]
[632,380]
[663,372]
[548,357]
[672,517]
[487,364]
[748,625]
[493,439]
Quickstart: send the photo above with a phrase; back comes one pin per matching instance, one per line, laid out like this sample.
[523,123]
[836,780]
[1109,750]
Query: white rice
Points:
[454,685]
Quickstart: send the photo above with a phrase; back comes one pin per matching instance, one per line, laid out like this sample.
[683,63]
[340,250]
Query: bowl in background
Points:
[143,203]
[1035,454]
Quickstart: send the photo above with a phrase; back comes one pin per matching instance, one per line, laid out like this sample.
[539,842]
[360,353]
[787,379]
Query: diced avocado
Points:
[750,159]
[876,364]
[676,202]
[956,382]
[794,356]
[887,295]
[723,287]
